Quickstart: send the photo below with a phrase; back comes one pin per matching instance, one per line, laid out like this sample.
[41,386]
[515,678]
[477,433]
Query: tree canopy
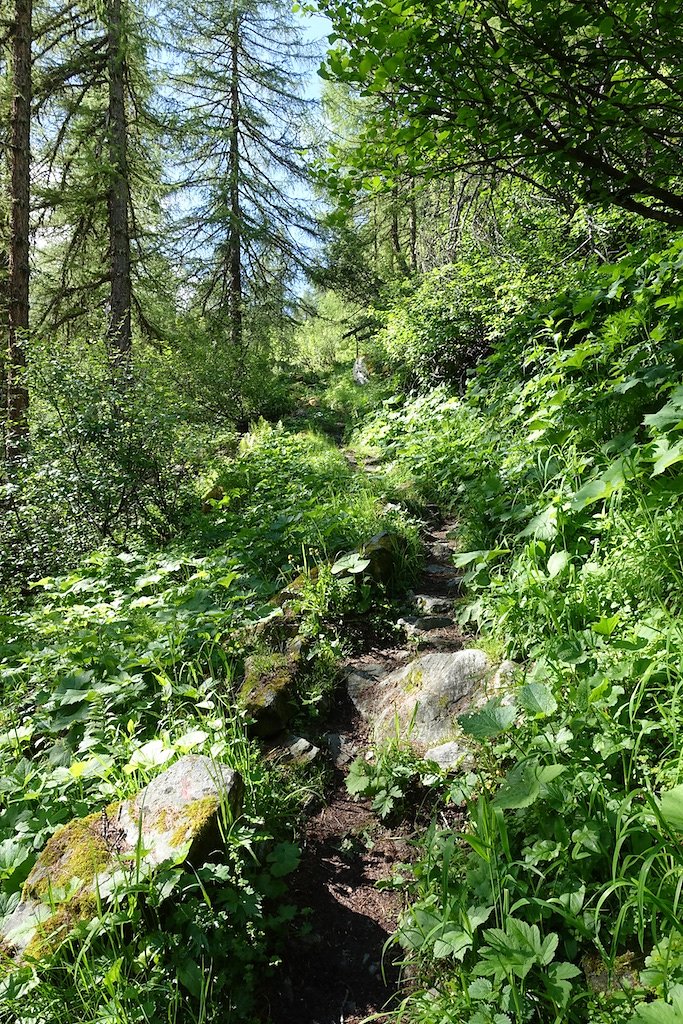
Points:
[582,98]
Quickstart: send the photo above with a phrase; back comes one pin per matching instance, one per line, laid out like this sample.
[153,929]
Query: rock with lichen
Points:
[420,702]
[173,819]
[267,693]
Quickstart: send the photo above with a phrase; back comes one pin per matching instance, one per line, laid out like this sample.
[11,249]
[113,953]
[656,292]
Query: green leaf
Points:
[536,699]
[557,562]
[524,784]
[284,859]
[358,778]
[671,807]
[605,626]
[190,977]
[670,415]
[352,563]
[490,721]
[453,943]
[658,1012]
[543,526]
[666,455]
[601,487]
[483,557]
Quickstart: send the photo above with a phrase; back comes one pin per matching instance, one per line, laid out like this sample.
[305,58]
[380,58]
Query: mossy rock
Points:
[268,691]
[386,552]
[294,590]
[175,818]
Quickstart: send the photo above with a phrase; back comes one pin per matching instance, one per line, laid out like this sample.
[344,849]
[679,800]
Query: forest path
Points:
[336,970]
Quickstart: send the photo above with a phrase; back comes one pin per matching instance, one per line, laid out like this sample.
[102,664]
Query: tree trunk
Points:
[413,232]
[120,333]
[235,235]
[20,169]
[395,236]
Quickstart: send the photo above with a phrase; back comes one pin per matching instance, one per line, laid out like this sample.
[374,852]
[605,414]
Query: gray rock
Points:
[429,605]
[341,751]
[456,586]
[294,750]
[424,623]
[384,551]
[441,549]
[361,374]
[450,755]
[173,819]
[421,701]
[440,572]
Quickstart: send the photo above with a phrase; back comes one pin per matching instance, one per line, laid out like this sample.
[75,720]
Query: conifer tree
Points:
[16,221]
[243,122]
[99,174]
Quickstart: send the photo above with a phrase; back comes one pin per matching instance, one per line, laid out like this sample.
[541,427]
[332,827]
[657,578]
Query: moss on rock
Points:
[269,683]
[195,820]
[78,850]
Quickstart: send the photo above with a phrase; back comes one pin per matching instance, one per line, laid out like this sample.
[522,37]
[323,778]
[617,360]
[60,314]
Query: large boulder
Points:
[268,691]
[420,702]
[173,819]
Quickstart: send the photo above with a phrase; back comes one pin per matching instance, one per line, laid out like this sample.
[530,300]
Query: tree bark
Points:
[18,284]
[235,234]
[120,330]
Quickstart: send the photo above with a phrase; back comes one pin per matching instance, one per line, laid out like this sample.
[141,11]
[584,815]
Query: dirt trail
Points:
[335,972]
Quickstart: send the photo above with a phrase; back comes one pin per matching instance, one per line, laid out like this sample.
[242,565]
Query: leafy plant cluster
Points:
[559,900]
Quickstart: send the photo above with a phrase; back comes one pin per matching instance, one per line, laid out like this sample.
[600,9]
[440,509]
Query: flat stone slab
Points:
[173,819]
[440,572]
[419,702]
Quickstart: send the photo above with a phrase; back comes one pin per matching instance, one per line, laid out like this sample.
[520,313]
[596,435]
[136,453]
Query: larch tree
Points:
[243,117]
[98,170]
[16,221]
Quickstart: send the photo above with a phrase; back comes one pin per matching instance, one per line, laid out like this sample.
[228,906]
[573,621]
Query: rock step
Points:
[425,623]
[440,551]
[430,605]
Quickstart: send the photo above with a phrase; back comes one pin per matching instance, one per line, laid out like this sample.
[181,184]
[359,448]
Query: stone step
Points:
[425,623]
[440,572]
[440,550]
[430,605]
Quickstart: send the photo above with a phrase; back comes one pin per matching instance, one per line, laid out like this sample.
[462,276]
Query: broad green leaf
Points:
[284,859]
[543,526]
[352,563]
[605,626]
[536,699]
[452,943]
[671,807]
[670,415]
[601,487]
[658,1012]
[480,988]
[493,719]
[484,556]
[520,789]
[666,455]
[358,778]
[524,784]
[557,562]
